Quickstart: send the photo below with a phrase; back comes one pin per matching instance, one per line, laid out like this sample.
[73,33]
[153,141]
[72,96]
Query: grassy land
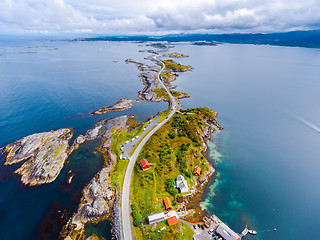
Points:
[175,67]
[175,149]
[163,93]
[167,77]
[118,173]
[175,55]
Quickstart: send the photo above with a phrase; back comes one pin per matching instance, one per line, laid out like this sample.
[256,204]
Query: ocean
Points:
[266,158]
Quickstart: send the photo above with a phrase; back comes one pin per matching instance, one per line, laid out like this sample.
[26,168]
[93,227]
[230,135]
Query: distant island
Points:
[309,39]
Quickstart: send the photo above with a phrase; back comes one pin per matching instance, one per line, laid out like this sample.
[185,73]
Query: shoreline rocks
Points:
[98,196]
[120,105]
[45,154]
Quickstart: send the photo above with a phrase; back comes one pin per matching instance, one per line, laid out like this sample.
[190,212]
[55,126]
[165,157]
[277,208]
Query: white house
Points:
[181,184]
[156,217]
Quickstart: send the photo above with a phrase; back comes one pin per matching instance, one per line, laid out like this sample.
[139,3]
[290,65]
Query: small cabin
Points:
[197,171]
[145,165]
[167,203]
[172,220]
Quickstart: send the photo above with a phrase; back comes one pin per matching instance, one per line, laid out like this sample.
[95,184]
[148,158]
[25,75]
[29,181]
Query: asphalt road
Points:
[126,222]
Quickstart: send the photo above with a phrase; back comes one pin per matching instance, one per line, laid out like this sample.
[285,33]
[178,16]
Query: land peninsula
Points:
[173,141]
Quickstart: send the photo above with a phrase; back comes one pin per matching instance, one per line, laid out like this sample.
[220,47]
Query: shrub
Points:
[172,135]
[173,191]
[136,216]
[137,219]
[134,206]
[170,183]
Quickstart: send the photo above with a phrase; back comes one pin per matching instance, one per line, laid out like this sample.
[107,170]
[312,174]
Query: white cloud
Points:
[146,16]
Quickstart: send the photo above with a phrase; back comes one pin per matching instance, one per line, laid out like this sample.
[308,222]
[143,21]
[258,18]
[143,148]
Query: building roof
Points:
[197,170]
[144,163]
[156,217]
[167,203]
[227,233]
[182,184]
[172,220]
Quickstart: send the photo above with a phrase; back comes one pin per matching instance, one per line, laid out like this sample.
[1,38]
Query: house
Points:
[156,217]
[227,233]
[167,203]
[181,184]
[145,165]
[172,220]
[197,171]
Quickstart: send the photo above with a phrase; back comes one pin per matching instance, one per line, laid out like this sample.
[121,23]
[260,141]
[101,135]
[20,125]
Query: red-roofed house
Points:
[145,165]
[197,171]
[172,220]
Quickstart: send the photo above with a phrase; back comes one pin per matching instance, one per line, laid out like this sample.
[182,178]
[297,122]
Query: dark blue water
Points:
[267,158]
[54,88]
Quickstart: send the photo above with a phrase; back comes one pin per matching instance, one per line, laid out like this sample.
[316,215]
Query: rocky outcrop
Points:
[95,202]
[45,154]
[98,195]
[101,129]
[120,105]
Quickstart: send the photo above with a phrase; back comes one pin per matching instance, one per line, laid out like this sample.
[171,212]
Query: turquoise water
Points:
[266,158]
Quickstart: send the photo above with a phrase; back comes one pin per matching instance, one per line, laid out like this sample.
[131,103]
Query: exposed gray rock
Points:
[98,196]
[120,105]
[45,153]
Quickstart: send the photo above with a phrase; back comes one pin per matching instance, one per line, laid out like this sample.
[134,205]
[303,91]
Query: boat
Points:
[253,232]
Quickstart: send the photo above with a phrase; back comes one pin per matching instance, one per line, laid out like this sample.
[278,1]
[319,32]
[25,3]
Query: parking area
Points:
[127,146]
[204,233]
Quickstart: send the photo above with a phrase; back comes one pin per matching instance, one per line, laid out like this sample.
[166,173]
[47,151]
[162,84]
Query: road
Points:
[126,222]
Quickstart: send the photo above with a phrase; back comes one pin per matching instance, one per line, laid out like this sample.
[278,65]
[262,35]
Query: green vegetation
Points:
[167,77]
[179,95]
[175,67]
[174,149]
[163,93]
[163,231]
[136,216]
[175,55]
[118,173]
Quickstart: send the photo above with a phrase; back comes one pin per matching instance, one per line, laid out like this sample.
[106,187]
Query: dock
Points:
[244,232]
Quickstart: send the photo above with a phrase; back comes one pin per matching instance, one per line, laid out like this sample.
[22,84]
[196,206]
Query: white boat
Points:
[253,232]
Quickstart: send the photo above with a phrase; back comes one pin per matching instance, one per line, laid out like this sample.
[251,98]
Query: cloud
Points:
[161,16]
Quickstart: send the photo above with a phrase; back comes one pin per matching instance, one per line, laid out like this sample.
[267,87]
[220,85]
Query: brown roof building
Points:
[167,203]
[197,171]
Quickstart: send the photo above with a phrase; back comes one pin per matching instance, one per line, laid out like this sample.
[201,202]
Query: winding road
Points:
[126,222]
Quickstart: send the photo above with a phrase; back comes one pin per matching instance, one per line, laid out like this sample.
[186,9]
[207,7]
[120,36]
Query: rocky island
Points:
[153,91]
[45,154]
[120,105]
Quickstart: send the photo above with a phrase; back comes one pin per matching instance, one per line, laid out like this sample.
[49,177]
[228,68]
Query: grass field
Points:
[175,149]
[175,67]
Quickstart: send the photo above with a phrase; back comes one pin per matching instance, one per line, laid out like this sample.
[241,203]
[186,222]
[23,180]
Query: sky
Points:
[130,17]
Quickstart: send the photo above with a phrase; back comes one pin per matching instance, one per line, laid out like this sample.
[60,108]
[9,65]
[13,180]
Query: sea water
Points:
[267,157]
